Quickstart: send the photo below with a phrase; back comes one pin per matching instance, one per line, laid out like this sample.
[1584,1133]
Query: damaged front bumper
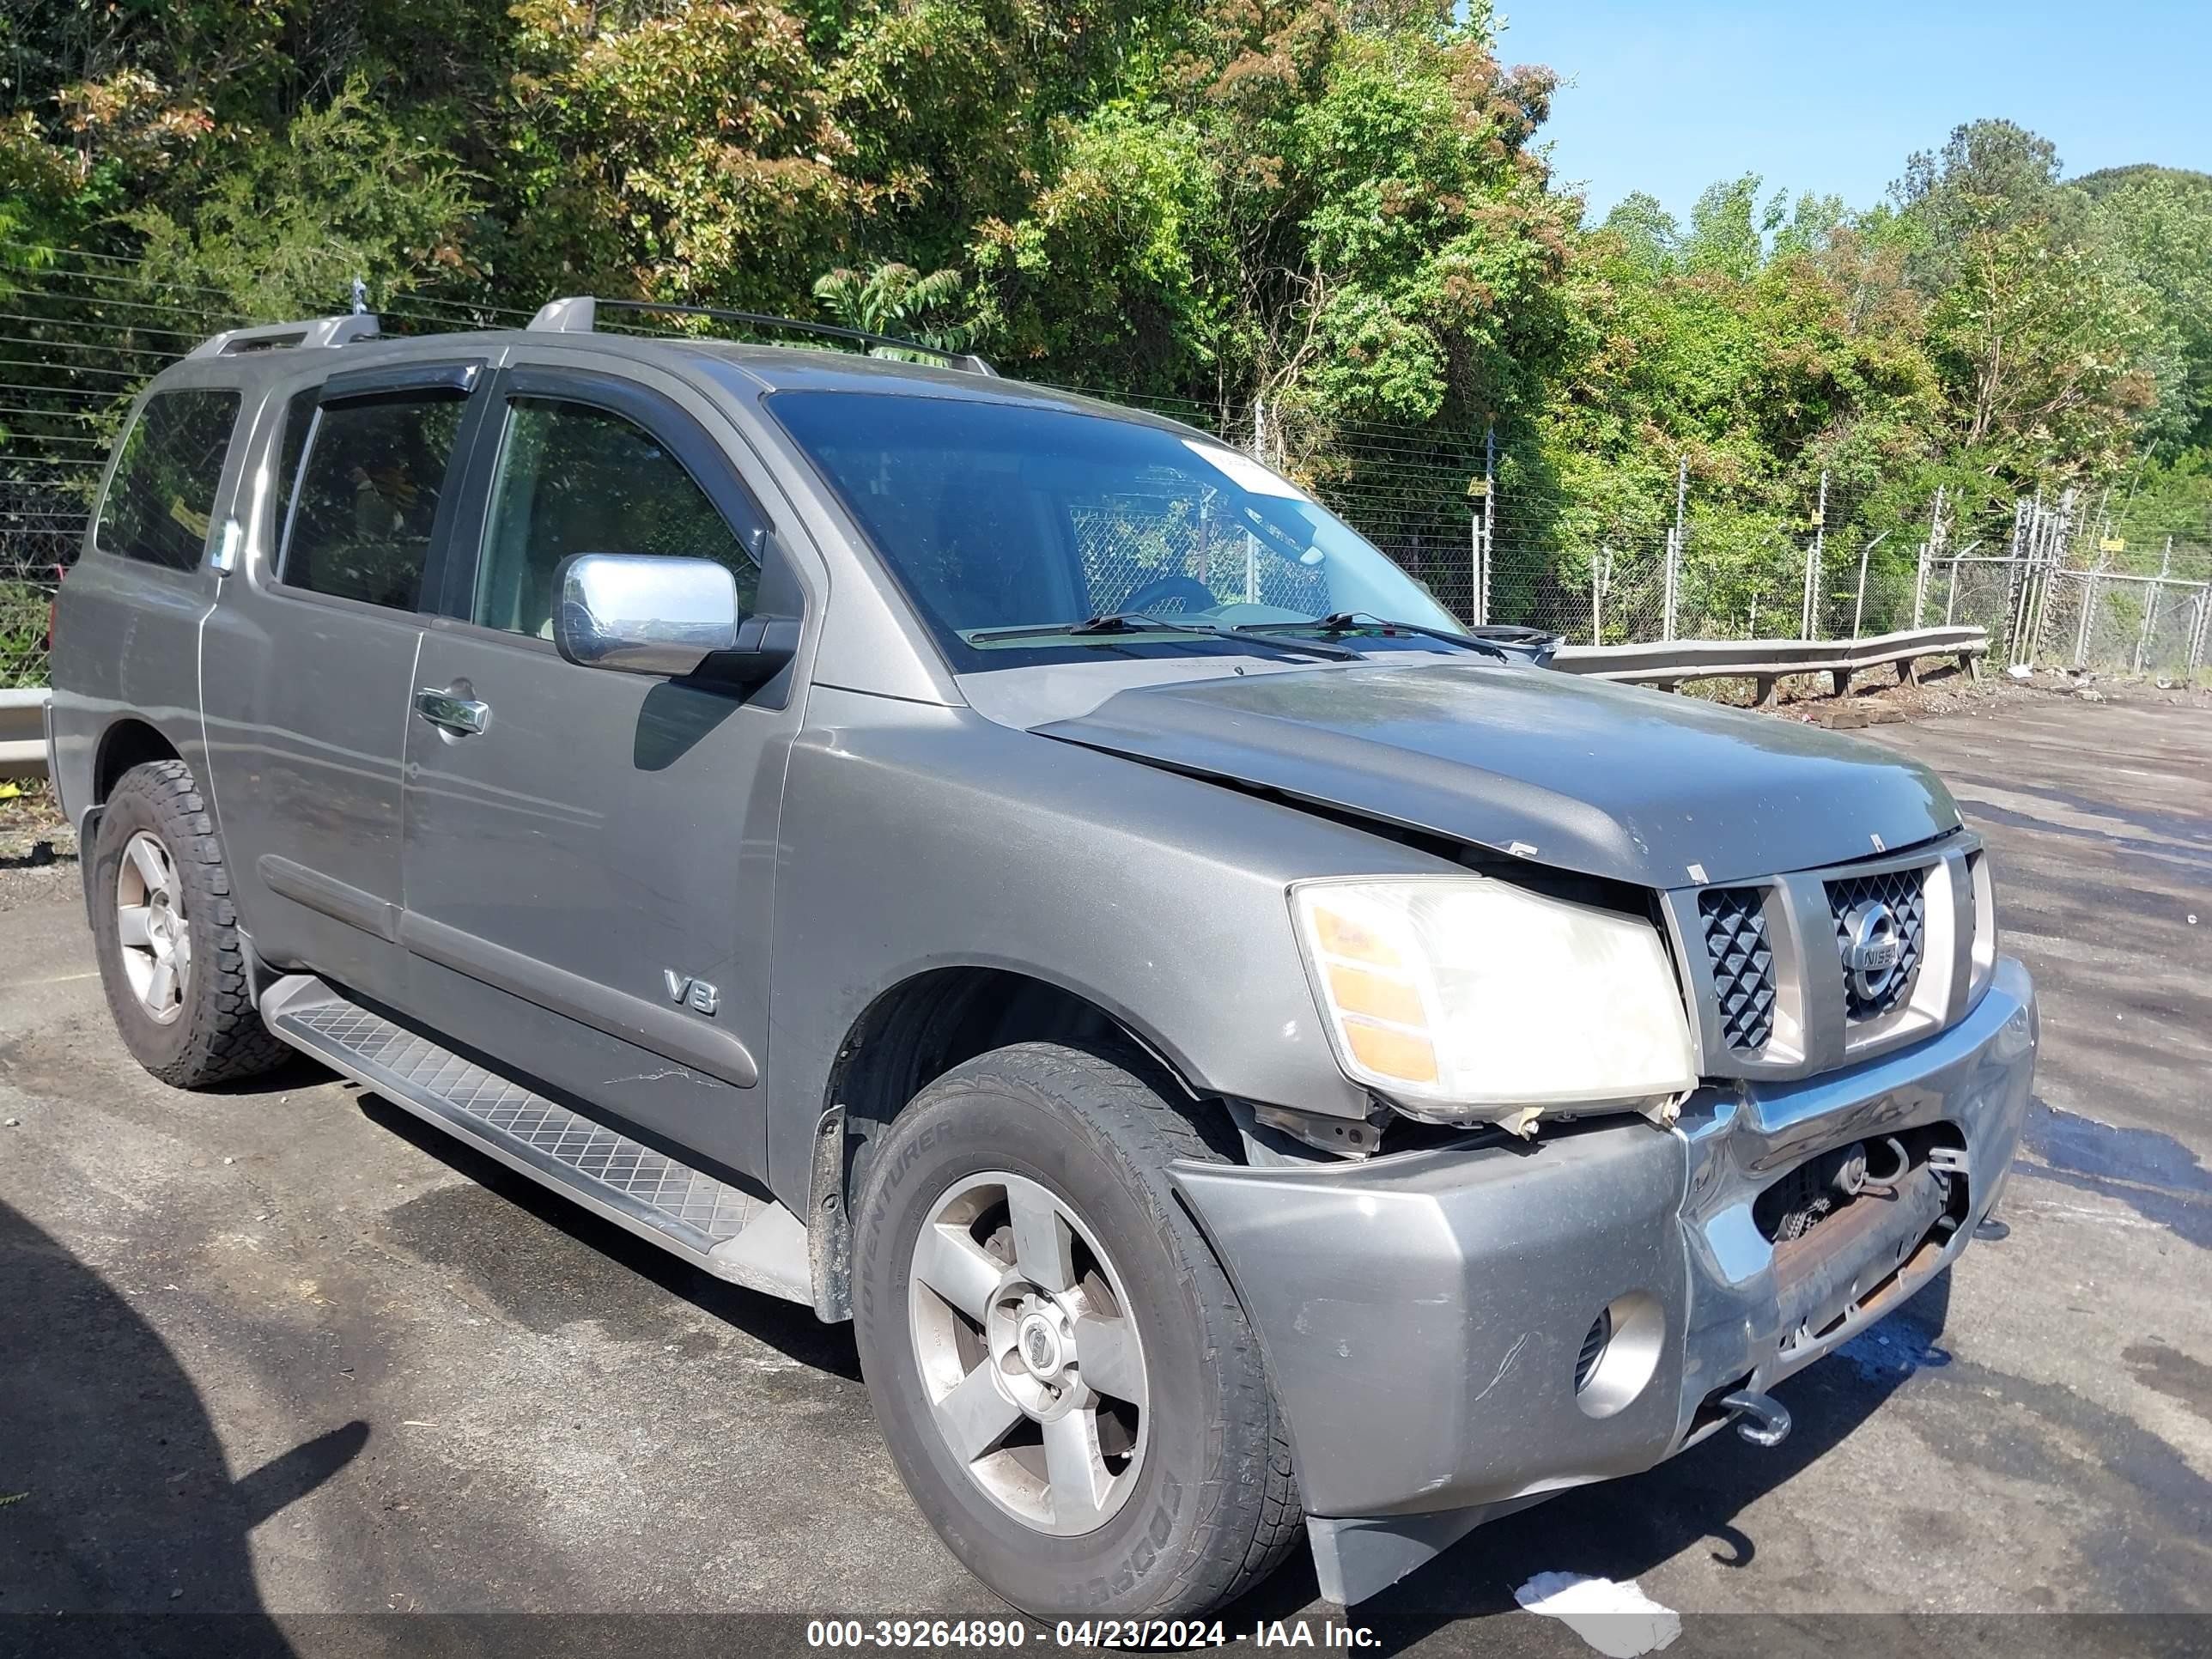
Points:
[1457,1333]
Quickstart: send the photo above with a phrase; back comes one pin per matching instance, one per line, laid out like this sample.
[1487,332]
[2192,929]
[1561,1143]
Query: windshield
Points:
[998,517]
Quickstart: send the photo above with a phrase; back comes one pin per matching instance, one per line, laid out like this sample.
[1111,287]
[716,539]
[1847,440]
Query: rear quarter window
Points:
[161,502]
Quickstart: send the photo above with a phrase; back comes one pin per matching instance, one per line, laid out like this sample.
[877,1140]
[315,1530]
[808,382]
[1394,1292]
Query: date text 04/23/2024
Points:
[1143,1634]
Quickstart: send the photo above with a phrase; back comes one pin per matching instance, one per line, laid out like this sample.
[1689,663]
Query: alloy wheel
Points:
[1030,1360]
[151,928]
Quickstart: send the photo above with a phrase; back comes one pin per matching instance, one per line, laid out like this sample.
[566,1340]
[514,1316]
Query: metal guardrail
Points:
[1670,663]
[23,734]
[23,744]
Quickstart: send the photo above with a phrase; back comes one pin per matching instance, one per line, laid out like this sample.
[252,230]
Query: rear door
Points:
[589,854]
[308,662]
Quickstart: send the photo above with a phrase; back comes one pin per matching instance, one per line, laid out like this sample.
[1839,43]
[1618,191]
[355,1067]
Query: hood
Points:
[1636,786]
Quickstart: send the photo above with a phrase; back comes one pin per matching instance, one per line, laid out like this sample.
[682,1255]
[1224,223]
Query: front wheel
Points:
[1061,1371]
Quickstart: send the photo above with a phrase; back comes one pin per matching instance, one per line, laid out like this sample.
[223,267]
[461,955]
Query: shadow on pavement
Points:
[115,1497]
[786,1326]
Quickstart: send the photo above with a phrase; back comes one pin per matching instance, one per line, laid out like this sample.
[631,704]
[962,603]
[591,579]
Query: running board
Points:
[749,1241]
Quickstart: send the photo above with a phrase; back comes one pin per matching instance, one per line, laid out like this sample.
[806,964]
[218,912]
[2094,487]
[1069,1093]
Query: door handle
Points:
[457,716]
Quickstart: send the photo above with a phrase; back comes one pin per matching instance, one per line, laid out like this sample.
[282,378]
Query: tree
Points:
[344,195]
[1649,237]
[2048,342]
[689,153]
[2160,220]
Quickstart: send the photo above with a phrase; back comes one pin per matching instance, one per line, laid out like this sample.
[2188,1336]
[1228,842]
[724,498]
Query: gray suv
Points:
[1253,1059]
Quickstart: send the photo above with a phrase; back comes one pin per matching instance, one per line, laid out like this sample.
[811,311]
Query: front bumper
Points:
[1423,1314]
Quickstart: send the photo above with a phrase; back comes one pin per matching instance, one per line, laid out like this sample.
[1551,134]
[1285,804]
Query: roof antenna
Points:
[360,296]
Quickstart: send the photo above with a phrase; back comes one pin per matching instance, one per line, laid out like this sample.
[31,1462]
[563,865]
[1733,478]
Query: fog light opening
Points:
[1593,1345]
[1619,1354]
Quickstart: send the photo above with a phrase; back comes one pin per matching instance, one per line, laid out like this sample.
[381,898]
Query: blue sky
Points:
[1832,97]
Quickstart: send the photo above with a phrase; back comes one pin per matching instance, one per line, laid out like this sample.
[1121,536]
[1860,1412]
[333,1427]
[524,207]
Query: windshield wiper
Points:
[1142,622]
[1345,622]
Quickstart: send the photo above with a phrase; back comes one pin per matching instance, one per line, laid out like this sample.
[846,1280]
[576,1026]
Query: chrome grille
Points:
[1762,960]
[1905,893]
[1735,924]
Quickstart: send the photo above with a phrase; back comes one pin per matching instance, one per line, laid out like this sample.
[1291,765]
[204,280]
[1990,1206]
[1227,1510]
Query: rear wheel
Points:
[167,934]
[1060,1369]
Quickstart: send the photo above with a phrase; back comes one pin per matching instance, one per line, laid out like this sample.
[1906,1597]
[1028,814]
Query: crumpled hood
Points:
[1644,786]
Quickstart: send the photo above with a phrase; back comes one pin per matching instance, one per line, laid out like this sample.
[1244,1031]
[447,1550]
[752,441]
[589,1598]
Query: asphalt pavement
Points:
[282,1353]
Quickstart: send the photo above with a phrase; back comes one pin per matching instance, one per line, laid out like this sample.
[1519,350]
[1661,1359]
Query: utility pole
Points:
[1474,567]
[2038,599]
[1489,519]
[2027,542]
[1479,532]
[1813,562]
[2088,606]
[1600,568]
[1858,611]
[1675,546]
[2150,605]
[1930,550]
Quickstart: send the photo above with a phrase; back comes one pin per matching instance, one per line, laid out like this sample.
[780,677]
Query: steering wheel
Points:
[1195,594]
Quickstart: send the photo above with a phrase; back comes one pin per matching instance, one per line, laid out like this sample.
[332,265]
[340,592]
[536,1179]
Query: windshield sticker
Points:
[1244,472]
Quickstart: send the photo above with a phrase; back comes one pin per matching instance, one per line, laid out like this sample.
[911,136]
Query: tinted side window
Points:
[367,497]
[299,423]
[159,506]
[576,479]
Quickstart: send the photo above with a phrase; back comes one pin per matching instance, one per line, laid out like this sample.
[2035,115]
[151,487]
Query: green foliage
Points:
[1340,214]
[687,153]
[1116,275]
[898,300]
[2160,220]
[24,609]
[2048,341]
[283,232]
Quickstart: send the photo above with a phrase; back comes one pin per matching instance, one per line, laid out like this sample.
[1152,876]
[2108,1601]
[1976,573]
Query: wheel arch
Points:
[124,743]
[127,742]
[913,1032]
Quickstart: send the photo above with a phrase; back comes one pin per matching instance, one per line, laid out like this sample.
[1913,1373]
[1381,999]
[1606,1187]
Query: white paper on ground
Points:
[1617,1619]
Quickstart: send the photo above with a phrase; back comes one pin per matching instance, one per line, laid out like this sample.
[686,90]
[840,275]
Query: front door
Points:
[589,854]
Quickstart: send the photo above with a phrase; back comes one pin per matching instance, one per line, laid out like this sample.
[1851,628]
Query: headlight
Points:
[1464,997]
[1985,923]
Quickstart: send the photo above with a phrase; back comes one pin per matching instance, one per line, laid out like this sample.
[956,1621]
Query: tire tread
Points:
[226,1041]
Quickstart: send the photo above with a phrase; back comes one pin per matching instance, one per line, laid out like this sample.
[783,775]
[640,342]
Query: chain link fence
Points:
[2065,582]
[2123,624]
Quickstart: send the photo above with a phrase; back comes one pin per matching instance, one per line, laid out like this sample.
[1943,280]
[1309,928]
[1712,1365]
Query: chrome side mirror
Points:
[641,614]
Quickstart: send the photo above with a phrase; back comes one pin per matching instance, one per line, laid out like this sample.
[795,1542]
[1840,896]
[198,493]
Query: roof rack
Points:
[578,314]
[314,331]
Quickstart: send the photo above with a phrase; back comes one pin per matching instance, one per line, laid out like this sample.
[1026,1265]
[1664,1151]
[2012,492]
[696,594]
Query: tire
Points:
[1201,1502]
[207,1031]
